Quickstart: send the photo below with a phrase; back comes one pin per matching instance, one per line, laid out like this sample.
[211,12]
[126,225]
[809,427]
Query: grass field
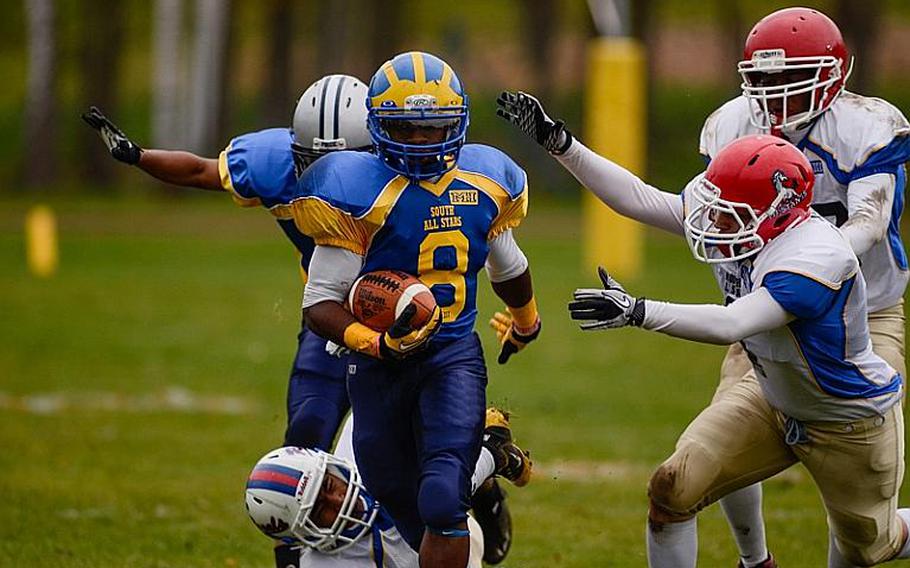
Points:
[139,385]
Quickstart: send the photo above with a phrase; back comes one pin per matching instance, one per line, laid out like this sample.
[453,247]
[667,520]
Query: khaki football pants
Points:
[739,440]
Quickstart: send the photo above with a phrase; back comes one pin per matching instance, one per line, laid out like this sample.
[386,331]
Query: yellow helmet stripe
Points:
[420,74]
[390,72]
[446,75]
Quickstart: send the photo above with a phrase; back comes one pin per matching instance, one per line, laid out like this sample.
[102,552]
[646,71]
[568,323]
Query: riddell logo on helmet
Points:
[768,57]
[420,102]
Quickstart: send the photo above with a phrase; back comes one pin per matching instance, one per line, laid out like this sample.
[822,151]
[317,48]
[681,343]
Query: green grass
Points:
[158,301]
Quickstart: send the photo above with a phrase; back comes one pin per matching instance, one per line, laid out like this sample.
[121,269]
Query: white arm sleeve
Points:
[622,191]
[869,201]
[711,323]
[331,273]
[505,260]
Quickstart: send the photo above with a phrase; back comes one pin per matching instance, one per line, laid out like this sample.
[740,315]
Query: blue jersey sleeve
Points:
[800,295]
[886,160]
[497,175]
[258,168]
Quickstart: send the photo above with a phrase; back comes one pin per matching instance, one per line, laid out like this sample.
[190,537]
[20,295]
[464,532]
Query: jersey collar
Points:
[442,183]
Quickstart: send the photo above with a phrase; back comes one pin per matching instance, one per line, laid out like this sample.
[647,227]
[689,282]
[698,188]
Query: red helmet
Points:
[756,188]
[793,40]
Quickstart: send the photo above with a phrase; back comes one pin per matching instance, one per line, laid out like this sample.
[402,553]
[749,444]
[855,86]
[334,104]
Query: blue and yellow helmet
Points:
[417,92]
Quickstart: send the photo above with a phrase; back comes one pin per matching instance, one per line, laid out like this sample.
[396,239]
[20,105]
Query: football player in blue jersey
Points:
[429,205]
[262,168]
[253,168]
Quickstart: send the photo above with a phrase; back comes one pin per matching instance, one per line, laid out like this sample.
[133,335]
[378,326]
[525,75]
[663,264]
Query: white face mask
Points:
[774,61]
[738,237]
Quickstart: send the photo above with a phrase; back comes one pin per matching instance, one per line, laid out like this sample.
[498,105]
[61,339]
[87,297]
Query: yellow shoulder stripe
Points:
[510,211]
[225,173]
[328,225]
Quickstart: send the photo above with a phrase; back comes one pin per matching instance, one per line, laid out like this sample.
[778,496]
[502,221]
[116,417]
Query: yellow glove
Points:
[511,334]
[402,340]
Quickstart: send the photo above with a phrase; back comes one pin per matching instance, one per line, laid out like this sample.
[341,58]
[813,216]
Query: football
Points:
[377,298]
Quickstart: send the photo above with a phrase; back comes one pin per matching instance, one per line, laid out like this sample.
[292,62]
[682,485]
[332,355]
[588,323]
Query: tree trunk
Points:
[860,24]
[384,34]
[168,93]
[40,130]
[209,66]
[332,35]
[734,34]
[278,98]
[99,59]
[540,27]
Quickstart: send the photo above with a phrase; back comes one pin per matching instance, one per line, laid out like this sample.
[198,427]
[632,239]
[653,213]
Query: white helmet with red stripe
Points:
[289,484]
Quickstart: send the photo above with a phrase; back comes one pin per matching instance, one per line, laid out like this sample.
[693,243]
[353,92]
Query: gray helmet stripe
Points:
[337,105]
[325,87]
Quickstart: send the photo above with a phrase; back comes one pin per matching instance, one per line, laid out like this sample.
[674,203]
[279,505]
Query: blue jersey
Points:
[438,230]
[258,170]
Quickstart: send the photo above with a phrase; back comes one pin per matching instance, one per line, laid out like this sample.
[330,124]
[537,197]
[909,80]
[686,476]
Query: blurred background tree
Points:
[191,74]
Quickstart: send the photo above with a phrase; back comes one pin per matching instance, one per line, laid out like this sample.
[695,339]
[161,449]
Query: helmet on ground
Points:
[286,488]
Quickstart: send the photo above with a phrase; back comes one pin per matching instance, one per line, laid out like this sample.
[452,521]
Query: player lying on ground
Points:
[316,502]
[262,168]
[428,205]
[797,302]
[794,71]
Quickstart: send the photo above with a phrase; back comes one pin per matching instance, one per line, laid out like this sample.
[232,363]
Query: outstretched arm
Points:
[611,307]
[181,168]
[614,185]
[623,191]
[171,166]
[710,323]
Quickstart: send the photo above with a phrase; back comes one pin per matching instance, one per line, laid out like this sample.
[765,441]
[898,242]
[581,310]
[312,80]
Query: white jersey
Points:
[819,367]
[856,137]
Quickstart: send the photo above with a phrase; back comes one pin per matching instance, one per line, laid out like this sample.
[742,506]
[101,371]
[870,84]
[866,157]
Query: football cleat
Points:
[492,514]
[512,462]
[768,563]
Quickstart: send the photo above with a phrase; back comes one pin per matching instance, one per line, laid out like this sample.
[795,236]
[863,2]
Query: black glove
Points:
[526,112]
[606,308]
[402,340]
[511,340]
[121,147]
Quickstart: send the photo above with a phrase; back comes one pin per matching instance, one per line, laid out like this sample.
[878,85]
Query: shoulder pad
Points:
[725,125]
[861,132]
[260,165]
[347,180]
[494,164]
[815,249]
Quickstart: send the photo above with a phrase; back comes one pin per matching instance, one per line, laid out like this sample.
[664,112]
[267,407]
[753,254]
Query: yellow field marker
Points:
[41,241]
